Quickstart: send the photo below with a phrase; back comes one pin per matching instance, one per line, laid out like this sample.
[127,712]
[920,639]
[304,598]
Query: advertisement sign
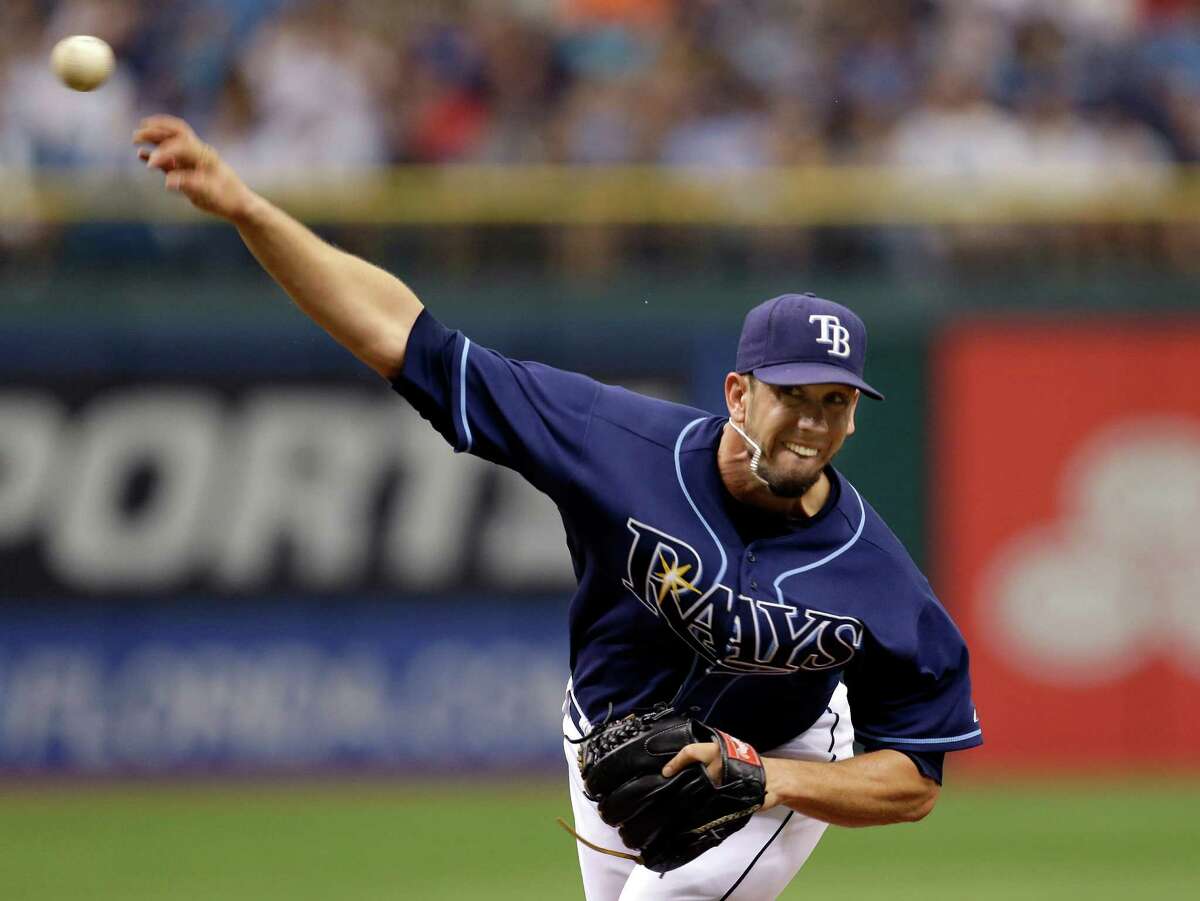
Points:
[164,462]
[232,488]
[1066,497]
[459,688]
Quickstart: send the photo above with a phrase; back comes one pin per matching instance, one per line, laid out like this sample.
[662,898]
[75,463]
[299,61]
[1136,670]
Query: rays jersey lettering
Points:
[736,633]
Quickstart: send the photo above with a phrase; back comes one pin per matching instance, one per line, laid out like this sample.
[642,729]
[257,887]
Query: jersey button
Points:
[750,556]
[754,583]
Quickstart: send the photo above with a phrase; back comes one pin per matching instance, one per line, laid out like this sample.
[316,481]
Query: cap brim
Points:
[813,374]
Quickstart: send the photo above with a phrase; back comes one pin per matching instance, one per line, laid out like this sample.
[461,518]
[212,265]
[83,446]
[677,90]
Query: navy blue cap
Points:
[801,339]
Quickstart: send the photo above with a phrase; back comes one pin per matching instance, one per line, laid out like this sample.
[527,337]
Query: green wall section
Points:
[665,323]
[888,457]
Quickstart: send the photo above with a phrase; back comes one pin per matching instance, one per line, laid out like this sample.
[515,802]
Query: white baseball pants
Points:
[754,864]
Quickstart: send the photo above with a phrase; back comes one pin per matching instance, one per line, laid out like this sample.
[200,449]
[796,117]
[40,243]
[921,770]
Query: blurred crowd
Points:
[720,82]
[287,87]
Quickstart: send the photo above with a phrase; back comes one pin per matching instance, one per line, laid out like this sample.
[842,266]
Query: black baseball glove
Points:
[670,821]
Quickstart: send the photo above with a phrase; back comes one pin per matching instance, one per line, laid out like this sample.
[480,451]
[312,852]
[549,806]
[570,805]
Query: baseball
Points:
[82,62]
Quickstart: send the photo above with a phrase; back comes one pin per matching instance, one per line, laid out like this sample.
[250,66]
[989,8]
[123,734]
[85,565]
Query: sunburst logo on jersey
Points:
[673,579]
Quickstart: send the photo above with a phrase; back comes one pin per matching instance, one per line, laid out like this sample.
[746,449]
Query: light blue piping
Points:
[462,393]
[920,741]
[862,521]
[679,475]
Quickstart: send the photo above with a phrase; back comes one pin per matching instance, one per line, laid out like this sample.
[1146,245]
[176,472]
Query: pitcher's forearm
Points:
[873,789]
[363,307]
[368,310]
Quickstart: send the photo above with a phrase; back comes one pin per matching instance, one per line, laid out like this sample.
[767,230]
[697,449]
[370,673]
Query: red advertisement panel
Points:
[1066,501]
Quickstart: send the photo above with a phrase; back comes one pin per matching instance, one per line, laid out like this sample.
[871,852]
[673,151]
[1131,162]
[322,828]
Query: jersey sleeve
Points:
[526,416]
[911,692]
[928,763]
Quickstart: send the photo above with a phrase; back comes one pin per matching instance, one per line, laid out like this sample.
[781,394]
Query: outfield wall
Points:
[423,686]
[1068,534]
[226,545]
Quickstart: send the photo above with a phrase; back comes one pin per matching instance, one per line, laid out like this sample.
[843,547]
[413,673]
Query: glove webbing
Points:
[608,736]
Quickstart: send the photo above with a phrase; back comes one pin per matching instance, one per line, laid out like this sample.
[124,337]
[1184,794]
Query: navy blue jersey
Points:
[681,598]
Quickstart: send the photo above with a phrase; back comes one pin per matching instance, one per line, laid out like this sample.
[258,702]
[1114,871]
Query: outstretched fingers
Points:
[153,134]
[155,129]
[190,166]
[175,144]
[179,152]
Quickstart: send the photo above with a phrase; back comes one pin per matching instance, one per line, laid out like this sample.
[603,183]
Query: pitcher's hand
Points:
[192,167]
[708,755]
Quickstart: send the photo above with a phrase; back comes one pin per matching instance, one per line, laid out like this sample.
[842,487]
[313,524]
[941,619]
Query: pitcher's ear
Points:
[737,391]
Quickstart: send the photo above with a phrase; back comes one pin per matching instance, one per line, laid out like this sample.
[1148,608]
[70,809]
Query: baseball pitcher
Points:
[743,615]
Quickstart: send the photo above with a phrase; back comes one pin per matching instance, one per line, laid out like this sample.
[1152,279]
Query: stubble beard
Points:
[786,486]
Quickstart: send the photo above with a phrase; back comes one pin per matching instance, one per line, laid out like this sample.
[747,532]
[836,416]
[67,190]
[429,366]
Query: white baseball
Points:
[82,62]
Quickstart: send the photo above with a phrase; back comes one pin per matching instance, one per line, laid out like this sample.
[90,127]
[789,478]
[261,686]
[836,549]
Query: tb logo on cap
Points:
[833,333]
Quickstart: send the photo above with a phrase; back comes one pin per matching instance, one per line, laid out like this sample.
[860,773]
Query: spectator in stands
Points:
[953,85]
[313,73]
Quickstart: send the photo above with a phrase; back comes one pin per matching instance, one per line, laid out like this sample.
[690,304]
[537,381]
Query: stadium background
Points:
[261,635]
